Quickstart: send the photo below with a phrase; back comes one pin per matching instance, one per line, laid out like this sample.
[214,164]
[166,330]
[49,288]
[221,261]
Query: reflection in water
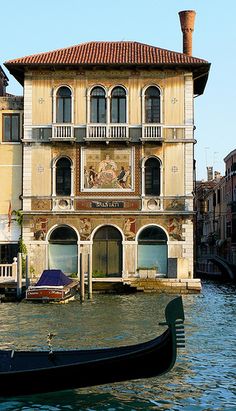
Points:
[203,378]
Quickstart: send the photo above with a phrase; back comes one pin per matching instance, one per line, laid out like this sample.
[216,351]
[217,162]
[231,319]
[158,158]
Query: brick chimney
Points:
[187,18]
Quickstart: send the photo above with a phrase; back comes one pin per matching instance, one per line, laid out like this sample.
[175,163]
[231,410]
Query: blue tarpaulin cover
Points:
[53,277]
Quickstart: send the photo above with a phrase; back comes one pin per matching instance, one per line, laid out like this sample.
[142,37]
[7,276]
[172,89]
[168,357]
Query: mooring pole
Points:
[90,280]
[19,276]
[82,277]
[26,271]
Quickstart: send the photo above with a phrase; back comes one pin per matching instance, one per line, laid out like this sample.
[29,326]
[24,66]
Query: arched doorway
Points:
[63,250]
[152,249]
[107,252]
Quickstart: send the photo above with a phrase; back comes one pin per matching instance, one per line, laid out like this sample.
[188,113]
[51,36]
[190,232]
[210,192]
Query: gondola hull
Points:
[25,372]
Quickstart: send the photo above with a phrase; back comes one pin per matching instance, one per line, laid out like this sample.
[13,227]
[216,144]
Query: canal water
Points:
[203,379]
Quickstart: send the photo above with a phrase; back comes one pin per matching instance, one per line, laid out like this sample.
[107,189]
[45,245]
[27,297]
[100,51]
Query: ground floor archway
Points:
[152,249]
[63,250]
[107,252]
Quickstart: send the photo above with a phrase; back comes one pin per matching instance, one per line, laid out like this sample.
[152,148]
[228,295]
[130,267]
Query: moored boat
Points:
[52,286]
[31,372]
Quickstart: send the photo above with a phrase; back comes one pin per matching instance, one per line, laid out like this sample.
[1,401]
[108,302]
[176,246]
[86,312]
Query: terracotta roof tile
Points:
[101,52]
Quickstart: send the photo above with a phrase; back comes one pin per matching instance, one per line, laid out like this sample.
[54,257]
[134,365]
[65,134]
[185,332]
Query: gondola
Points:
[31,372]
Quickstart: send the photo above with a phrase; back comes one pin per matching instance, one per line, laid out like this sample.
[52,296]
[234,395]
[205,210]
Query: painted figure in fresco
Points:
[85,228]
[92,176]
[107,172]
[129,225]
[40,228]
[86,178]
[127,178]
[121,176]
[175,228]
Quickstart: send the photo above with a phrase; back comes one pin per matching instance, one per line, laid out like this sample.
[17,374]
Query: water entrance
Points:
[107,252]
[63,250]
[152,249]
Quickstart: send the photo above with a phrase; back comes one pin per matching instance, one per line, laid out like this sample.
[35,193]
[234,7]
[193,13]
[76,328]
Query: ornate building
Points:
[108,153]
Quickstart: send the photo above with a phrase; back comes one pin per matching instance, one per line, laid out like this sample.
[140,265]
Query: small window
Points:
[63,177]
[152,105]
[63,106]
[11,127]
[98,105]
[118,105]
[152,177]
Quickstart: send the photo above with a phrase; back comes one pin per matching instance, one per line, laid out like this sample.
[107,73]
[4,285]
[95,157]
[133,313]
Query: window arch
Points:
[63,105]
[152,105]
[98,105]
[118,105]
[152,177]
[63,177]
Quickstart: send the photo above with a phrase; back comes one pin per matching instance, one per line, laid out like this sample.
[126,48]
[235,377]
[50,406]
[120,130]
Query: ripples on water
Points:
[203,379]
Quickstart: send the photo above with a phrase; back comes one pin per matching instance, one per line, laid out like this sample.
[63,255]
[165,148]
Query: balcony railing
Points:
[151,132]
[62,132]
[107,131]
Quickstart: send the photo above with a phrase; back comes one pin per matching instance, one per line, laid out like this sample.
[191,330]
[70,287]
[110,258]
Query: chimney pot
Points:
[187,18]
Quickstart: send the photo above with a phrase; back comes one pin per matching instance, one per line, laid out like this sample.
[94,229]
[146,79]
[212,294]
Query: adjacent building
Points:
[11,133]
[230,196]
[211,220]
[216,211]
[108,157]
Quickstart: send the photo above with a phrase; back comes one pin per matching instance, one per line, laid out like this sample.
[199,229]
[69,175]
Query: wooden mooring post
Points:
[82,286]
[83,267]
[26,271]
[19,276]
[90,280]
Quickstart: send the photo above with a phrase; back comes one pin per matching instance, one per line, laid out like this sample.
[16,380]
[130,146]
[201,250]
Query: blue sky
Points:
[30,27]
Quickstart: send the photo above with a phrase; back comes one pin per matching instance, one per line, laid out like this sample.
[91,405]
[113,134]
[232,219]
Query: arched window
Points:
[152,177]
[98,105]
[63,177]
[63,250]
[118,105]
[152,249]
[63,105]
[152,105]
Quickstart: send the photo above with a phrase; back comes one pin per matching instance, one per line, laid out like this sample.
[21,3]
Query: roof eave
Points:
[200,78]
[200,70]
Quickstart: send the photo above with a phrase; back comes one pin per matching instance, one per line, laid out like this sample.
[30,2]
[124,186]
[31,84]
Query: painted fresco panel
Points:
[107,169]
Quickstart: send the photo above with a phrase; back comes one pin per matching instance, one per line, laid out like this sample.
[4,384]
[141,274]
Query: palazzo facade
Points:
[108,158]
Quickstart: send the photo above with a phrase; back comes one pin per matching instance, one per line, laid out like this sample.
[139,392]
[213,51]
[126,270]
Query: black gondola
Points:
[31,372]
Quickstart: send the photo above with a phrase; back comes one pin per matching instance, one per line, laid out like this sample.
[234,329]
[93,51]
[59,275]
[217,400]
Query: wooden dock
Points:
[9,292]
